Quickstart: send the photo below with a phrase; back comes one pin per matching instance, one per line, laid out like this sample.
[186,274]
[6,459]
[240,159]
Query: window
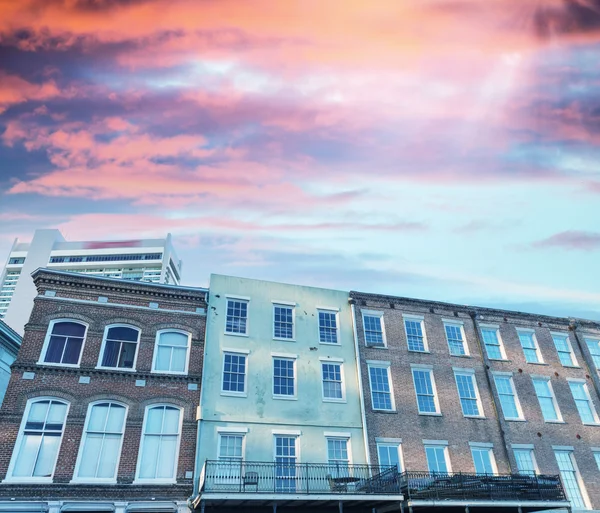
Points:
[468,393]
[234,374]
[119,347]
[64,343]
[283,322]
[483,459]
[530,346]
[338,456]
[425,388]
[159,448]
[389,455]
[438,461]
[333,384]
[594,347]
[456,339]
[285,463]
[415,336]
[564,350]
[101,446]
[373,327]
[36,449]
[597,458]
[583,401]
[571,478]
[237,317]
[508,397]
[230,457]
[381,394]
[284,381]
[328,330]
[525,461]
[545,395]
[172,352]
[493,343]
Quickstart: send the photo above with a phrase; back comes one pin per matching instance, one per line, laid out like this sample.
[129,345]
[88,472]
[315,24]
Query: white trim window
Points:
[283,322]
[483,459]
[594,347]
[100,449]
[455,335]
[438,459]
[564,350]
[64,343]
[234,374]
[414,328]
[547,399]
[159,448]
[119,347]
[509,401]
[36,450]
[529,343]
[332,374]
[338,455]
[172,351]
[236,322]
[284,377]
[493,342]
[381,390]
[468,393]
[373,328]
[286,459]
[583,401]
[230,456]
[597,458]
[526,463]
[571,478]
[389,454]
[328,327]
[427,400]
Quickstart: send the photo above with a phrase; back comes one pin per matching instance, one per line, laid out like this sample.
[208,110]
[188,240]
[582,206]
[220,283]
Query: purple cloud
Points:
[572,240]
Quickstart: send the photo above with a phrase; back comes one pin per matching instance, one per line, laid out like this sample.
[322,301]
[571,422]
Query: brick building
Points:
[100,411]
[451,388]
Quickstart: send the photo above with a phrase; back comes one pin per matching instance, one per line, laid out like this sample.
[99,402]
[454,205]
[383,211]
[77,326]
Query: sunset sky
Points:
[441,149]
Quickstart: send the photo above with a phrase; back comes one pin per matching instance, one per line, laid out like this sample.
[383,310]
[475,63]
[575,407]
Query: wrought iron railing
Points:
[298,478]
[474,487]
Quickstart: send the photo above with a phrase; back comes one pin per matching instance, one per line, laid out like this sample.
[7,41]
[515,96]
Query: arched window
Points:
[100,448]
[159,449]
[64,342]
[36,450]
[119,347]
[171,352]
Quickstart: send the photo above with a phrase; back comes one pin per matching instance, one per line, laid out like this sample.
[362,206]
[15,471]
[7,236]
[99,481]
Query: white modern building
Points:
[152,260]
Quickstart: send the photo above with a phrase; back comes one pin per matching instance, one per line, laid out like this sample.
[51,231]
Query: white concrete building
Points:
[152,260]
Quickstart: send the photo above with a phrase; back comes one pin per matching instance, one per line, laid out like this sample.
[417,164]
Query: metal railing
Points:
[474,487]
[298,478]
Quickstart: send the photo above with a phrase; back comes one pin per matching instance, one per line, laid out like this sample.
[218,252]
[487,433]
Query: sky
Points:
[438,149]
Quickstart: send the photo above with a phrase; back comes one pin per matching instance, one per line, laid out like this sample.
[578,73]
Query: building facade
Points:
[10,341]
[152,260]
[100,411]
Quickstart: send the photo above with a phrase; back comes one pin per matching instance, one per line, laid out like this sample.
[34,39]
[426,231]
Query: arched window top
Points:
[171,354]
[119,347]
[64,342]
[69,328]
[122,332]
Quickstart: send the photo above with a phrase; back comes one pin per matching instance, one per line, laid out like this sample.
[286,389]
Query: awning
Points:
[87,506]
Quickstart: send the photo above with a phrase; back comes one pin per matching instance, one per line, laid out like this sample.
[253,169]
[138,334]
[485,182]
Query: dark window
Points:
[65,343]
[120,347]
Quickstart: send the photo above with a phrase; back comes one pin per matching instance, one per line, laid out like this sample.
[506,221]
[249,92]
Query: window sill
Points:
[461,355]
[596,424]
[514,420]
[434,414]
[281,339]
[284,398]
[571,366]
[237,334]
[93,482]
[474,416]
[27,480]
[376,347]
[538,363]
[234,394]
[154,482]
[555,422]
[421,352]
[113,369]
[332,400]
[169,373]
[329,343]
[50,364]
[499,360]
[383,411]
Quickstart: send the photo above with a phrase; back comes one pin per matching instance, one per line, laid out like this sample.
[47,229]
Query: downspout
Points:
[360,386]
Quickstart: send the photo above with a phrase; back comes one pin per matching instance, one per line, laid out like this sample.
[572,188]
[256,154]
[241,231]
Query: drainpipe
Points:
[360,386]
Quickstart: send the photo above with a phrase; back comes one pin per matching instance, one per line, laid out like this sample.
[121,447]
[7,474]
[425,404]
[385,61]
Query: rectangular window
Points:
[338,456]
[571,479]
[530,346]
[284,379]
[373,327]
[333,386]
[468,394]
[437,459]
[493,343]
[119,347]
[456,339]
[171,354]
[483,459]
[234,373]
[597,458]
[283,322]
[230,457]
[594,347]
[425,390]
[415,334]
[583,401]
[237,317]
[285,463]
[389,455]
[328,330]
[508,397]
[525,461]
[381,394]
[564,350]
[64,343]
[547,400]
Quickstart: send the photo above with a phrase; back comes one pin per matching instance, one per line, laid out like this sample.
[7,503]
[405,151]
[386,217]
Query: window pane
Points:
[127,355]
[111,353]
[507,398]
[546,399]
[122,333]
[467,394]
[424,389]
[332,381]
[594,347]
[154,421]
[171,421]
[525,463]
[283,377]
[283,322]
[149,458]
[237,314]
[47,456]
[178,359]
[380,388]
[570,479]
[116,418]
[91,455]
[328,327]
[69,329]
[173,338]
[389,455]
[482,458]
[414,335]
[28,450]
[234,373]
[166,459]
[55,349]
[563,349]
[163,358]
[373,330]
[436,459]
[98,417]
[72,350]
[107,466]
[492,343]
[455,340]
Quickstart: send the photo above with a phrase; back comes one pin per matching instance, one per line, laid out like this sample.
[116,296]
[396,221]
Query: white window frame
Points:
[103,347]
[374,313]
[580,483]
[438,444]
[139,480]
[461,326]
[592,340]
[509,375]
[187,358]
[47,343]
[458,371]
[596,454]
[292,306]
[15,452]
[487,447]
[531,450]
[336,313]
[83,440]
[390,442]
[332,435]
[418,319]
[287,434]
[536,345]
[495,327]
[236,352]
[586,389]
[227,431]
[436,401]
[547,379]
[381,365]
[553,334]
[333,361]
[243,299]
[294,359]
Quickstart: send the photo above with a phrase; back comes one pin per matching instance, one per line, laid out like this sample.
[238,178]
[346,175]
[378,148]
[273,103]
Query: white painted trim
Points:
[397,445]
[188,351]
[463,370]
[284,355]
[482,445]
[489,326]
[235,430]
[387,440]
[337,434]
[361,392]
[387,366]
[44,350]
[331,359]
[284,303]
[413,317]
[293,308]
[421,320]
[503,373]
[521,417]
[103,347]
[380,363]
[548,380]
[234,350]
[471,373]
[563,448]
[328,308]
[456,322]
[536,344]
[291,432]
[294,360]
[459,324]
[435,442]
[339,362]
[233,393]
[281,497]
[373,313]
[426,366]
[525,330]
[436,401]
[235,296]
[523,446]
[336,312]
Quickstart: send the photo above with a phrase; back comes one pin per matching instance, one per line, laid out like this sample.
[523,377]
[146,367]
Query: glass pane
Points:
[27,454]
[116,417]
[149,457]
[98,415]
[154,420]
[38,411]
[166,458]
[72,350]
[110,454]
[173,338]
[127,355]
[171,422]
[55,350]
[57,413]
[111,353]
[90,455]
[70,329]
[163,358]
[178,359]
[47,456]
[122,333]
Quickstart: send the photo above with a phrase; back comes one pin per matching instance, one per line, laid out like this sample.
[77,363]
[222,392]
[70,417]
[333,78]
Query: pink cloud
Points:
[15,90]
[571,240]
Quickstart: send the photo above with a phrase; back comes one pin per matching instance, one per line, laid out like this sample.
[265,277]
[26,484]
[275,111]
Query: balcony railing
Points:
[474,487]
[298,478]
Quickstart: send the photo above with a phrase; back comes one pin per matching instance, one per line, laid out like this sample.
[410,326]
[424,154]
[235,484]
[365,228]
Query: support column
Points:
[341,507]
